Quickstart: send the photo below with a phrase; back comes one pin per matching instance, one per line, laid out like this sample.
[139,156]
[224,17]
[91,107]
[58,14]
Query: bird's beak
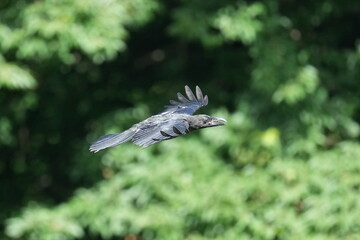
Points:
[217,121]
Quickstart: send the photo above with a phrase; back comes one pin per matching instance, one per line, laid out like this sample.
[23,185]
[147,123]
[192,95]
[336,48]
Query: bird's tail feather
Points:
[111,140]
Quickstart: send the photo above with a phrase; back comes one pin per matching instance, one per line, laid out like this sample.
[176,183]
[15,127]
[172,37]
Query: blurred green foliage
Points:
[283,73]
[198,197]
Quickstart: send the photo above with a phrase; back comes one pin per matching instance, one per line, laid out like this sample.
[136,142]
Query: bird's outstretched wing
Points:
[187,105]
[151,134]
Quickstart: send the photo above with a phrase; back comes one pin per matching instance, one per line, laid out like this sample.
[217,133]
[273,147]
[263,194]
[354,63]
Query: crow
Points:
[175,120]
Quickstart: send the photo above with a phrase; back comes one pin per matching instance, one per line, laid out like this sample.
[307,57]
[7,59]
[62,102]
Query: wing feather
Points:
[190,94]
[190,105]
[182,98]
[199,94]
[147,136]
[206,101]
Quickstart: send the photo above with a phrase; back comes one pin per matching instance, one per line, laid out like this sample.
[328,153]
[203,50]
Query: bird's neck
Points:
[194,122]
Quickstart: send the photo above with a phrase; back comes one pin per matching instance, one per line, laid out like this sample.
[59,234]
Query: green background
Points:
[285,74]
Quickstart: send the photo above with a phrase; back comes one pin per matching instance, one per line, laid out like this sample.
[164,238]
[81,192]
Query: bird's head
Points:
[205,121]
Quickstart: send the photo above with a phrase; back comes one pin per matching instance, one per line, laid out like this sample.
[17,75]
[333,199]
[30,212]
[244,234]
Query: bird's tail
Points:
[111,140]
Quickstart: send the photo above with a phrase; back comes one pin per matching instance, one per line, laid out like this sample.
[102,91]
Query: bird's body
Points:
[175,120]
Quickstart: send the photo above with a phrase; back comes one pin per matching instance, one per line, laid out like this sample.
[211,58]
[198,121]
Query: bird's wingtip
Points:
[206,100]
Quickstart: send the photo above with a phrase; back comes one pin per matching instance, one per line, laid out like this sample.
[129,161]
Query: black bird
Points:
[175,120]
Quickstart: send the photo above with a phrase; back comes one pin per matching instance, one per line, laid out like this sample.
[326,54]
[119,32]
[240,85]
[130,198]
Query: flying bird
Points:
[177,119]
